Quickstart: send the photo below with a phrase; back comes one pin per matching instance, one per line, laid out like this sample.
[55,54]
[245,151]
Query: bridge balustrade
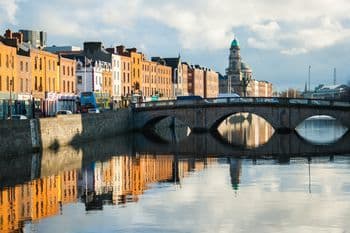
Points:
[242,100]
[341,104]
[299,101]
[320,102]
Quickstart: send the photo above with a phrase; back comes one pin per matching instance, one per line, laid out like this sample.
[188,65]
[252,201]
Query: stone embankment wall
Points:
[25,136]
[15,137]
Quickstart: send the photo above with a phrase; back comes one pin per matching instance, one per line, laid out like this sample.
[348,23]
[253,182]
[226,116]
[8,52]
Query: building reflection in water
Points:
[330,129]
[119,180]
[36,199]
[235,172]
[246,129]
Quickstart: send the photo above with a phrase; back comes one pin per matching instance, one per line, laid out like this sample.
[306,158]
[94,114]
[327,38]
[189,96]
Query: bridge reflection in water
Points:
[246,129]
[117,171]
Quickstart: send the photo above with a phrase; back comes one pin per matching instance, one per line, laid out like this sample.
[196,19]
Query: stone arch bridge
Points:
[283,114]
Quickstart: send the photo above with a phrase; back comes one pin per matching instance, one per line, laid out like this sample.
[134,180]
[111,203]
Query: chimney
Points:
[8,34]
[120,49]
[92,47]
[18,36]
[132,50]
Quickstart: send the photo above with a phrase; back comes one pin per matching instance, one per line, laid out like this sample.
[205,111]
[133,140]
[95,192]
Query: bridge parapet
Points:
[245,100]
[283,114]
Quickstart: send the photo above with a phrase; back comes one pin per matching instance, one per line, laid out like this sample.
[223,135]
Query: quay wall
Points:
[25,136]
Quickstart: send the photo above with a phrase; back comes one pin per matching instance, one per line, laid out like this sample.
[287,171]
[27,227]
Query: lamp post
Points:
[10,103]
[245,82]
[175,81]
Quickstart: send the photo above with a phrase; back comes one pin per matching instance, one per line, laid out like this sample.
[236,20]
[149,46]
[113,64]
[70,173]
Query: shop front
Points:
[103,100]
[50,104]
[7,106]
[67,102]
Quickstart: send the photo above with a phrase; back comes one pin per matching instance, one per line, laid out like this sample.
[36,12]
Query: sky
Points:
[278,39]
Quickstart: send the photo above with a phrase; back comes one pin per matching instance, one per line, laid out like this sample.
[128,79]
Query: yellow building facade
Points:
[45,73]
[8,68]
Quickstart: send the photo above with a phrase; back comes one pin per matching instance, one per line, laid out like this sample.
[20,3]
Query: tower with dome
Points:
[239,76]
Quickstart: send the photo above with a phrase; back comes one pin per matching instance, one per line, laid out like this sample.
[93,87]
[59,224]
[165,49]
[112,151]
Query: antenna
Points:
[335,76]
[309,78]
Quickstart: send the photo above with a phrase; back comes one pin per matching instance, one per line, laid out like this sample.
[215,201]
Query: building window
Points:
[72,71]
[36,83]
[49,64]
[40,64]
[21,84]
[7,61]
[8,83]
[67,86]
[64,70]
[26,66]
[67,70]
[54,84]
[72,87]
[21,65]
[27,88]
[79,79]
[0,83]
[41,84]
[64,86]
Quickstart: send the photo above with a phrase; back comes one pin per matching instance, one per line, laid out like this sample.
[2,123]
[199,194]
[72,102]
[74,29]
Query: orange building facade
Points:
[126,75]
[67,80]
[211,84]
[156,79]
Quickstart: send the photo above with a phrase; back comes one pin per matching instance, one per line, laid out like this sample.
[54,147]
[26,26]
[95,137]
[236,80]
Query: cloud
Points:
[8,8]
[294,51]
[306,26]
[291,28]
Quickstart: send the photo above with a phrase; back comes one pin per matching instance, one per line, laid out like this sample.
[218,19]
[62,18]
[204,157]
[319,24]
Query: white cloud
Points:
[294,51]
[291,27]
[8,8]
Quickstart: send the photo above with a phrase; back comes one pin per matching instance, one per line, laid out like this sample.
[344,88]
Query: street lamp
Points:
[245,82]
[10,104]
[175,81]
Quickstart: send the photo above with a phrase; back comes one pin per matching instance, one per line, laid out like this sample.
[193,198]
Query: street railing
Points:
[244,100]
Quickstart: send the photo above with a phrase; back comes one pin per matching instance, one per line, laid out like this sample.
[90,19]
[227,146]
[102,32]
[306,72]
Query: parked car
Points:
[17,117]
[93,110]
[64,112]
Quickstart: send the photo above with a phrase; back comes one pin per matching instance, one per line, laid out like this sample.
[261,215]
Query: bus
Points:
[87,101]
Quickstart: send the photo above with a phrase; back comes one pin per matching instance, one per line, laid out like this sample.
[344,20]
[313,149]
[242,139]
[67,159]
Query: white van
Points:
[228,95]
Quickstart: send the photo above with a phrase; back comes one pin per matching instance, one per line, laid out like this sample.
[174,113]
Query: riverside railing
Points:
[244,100]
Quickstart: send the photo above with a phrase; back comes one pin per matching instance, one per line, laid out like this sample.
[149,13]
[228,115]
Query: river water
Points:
[136,184]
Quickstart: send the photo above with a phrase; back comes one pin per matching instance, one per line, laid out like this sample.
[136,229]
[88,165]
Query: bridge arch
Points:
[149,119]
[216,120]
[343,118]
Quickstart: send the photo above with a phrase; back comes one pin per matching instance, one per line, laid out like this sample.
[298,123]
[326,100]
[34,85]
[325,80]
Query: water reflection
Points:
[119,180]
[168,187]
[246,129]
[321,130]
[257,189]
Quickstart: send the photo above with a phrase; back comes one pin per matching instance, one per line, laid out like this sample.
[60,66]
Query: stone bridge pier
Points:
[203,118]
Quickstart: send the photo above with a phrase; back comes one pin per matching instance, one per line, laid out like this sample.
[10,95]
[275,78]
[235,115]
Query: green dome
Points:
[235,43]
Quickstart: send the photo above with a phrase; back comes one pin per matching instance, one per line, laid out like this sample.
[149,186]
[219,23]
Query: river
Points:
[229,182]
